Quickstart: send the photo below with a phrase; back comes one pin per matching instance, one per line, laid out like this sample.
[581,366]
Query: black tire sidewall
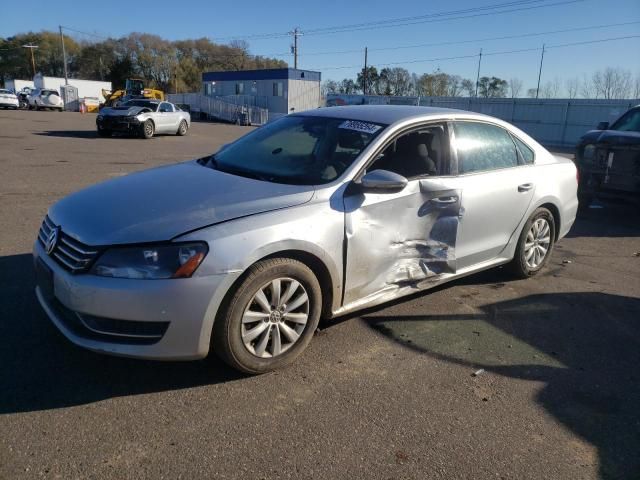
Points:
[227,340]
[144,129]
[519,262]
[186,128]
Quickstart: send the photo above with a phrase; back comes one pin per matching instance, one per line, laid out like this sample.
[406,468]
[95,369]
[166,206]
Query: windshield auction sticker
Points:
[360,126]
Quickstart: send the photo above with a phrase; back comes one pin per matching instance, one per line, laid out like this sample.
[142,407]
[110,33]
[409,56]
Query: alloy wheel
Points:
[275,318]
[537,243]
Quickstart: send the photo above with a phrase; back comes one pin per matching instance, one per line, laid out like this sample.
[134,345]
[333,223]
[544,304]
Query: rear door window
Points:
[483,147]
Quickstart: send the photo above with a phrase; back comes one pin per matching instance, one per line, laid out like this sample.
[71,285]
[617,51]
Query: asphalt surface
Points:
[384,394]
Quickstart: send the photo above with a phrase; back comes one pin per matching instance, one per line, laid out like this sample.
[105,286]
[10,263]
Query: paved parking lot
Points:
[387,393]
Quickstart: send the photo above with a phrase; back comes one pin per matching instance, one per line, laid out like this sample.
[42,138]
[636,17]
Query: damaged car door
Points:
[404,235]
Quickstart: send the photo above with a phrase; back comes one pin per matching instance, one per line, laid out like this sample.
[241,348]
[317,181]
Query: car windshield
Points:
[141,103]
[49,92]
[298,150]
[629,122]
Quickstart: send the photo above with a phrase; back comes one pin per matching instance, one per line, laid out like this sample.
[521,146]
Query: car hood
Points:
[611,137]
[123,111]
[162,203]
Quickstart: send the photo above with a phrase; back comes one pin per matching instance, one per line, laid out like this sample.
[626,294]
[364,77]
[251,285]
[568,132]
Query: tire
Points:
[148,129]
[182,129]
[103,132]
[251,345]
[522,266]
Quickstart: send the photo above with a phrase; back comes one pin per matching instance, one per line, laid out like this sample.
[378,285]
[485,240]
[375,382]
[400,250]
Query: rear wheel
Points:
[148,129]
[535,244]
[271,317]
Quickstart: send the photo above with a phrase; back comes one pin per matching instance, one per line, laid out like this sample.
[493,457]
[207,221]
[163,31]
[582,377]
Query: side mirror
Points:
[383,181]
[603,126]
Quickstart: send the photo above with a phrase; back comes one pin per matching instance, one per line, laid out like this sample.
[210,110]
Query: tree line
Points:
[610,83]
[167,65]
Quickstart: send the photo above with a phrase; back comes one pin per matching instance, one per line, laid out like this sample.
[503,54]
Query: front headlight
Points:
[151,262]
[589,153]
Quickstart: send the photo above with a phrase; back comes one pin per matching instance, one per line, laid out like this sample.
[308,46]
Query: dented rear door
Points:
[400,240]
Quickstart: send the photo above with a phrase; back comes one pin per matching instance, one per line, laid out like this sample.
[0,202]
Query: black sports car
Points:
[608,160]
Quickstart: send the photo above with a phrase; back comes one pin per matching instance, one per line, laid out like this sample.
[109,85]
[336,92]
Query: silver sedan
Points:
[317,214]
[143,117]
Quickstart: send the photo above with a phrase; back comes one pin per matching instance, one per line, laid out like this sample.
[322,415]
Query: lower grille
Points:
[70,254]
[110,330]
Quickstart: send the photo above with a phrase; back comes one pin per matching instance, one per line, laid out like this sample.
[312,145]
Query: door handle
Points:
[525,187]
[445,200]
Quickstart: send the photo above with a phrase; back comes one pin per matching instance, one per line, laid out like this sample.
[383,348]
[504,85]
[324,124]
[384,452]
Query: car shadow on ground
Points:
[88,134]
[584,347]
[40,369]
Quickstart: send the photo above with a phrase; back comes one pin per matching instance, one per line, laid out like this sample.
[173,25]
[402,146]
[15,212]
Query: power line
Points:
[437,18]
[461,42]
[484,54]
[425,16]
[389,23]
[84,33]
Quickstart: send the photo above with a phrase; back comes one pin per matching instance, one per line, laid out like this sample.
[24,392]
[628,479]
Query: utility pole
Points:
[478,75]
[366,73]
[540,71]
[64,57]
[296,33]
[33,61]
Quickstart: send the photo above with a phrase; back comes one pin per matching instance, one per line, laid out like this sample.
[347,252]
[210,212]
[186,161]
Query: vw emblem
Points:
[52,240]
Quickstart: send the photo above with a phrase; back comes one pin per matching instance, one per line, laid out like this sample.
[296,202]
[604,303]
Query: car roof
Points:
[386,114]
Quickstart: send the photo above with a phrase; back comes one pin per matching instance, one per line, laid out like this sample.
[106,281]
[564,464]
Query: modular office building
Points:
[280,90]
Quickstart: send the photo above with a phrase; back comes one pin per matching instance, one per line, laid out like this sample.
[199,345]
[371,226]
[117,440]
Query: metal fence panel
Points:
[552,122]
[221,109]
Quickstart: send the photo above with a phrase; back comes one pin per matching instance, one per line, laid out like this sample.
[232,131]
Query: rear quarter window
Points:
[525,151]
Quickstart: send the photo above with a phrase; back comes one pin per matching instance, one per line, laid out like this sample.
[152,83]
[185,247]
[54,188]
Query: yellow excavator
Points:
[134,88]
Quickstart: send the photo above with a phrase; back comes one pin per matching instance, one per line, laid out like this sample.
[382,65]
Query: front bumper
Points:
[119,124]
[179,313]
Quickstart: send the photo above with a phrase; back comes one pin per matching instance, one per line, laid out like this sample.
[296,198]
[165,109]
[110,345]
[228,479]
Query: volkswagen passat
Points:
[316,214]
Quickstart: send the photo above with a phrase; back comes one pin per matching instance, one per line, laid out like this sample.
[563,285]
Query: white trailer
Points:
[17,85]
[86,88]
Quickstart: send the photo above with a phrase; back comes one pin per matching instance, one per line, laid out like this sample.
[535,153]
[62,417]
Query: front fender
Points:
[312,228]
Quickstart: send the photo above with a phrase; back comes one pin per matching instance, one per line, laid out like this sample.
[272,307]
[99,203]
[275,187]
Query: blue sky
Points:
[218,20]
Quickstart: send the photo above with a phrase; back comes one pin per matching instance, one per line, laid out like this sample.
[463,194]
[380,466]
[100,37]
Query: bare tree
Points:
[551,89]
[573,87]
[455,87]
[329,87]
[468,87]
[612,83]
[636,87]
[587,89]
[515,87]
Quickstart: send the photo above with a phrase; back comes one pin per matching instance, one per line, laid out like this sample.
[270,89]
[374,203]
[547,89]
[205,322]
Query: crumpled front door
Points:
[403,240]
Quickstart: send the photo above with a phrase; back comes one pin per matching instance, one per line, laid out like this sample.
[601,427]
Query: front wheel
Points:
[182,129]
[535,244]
[270,318]
[103,132]
[148,129]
